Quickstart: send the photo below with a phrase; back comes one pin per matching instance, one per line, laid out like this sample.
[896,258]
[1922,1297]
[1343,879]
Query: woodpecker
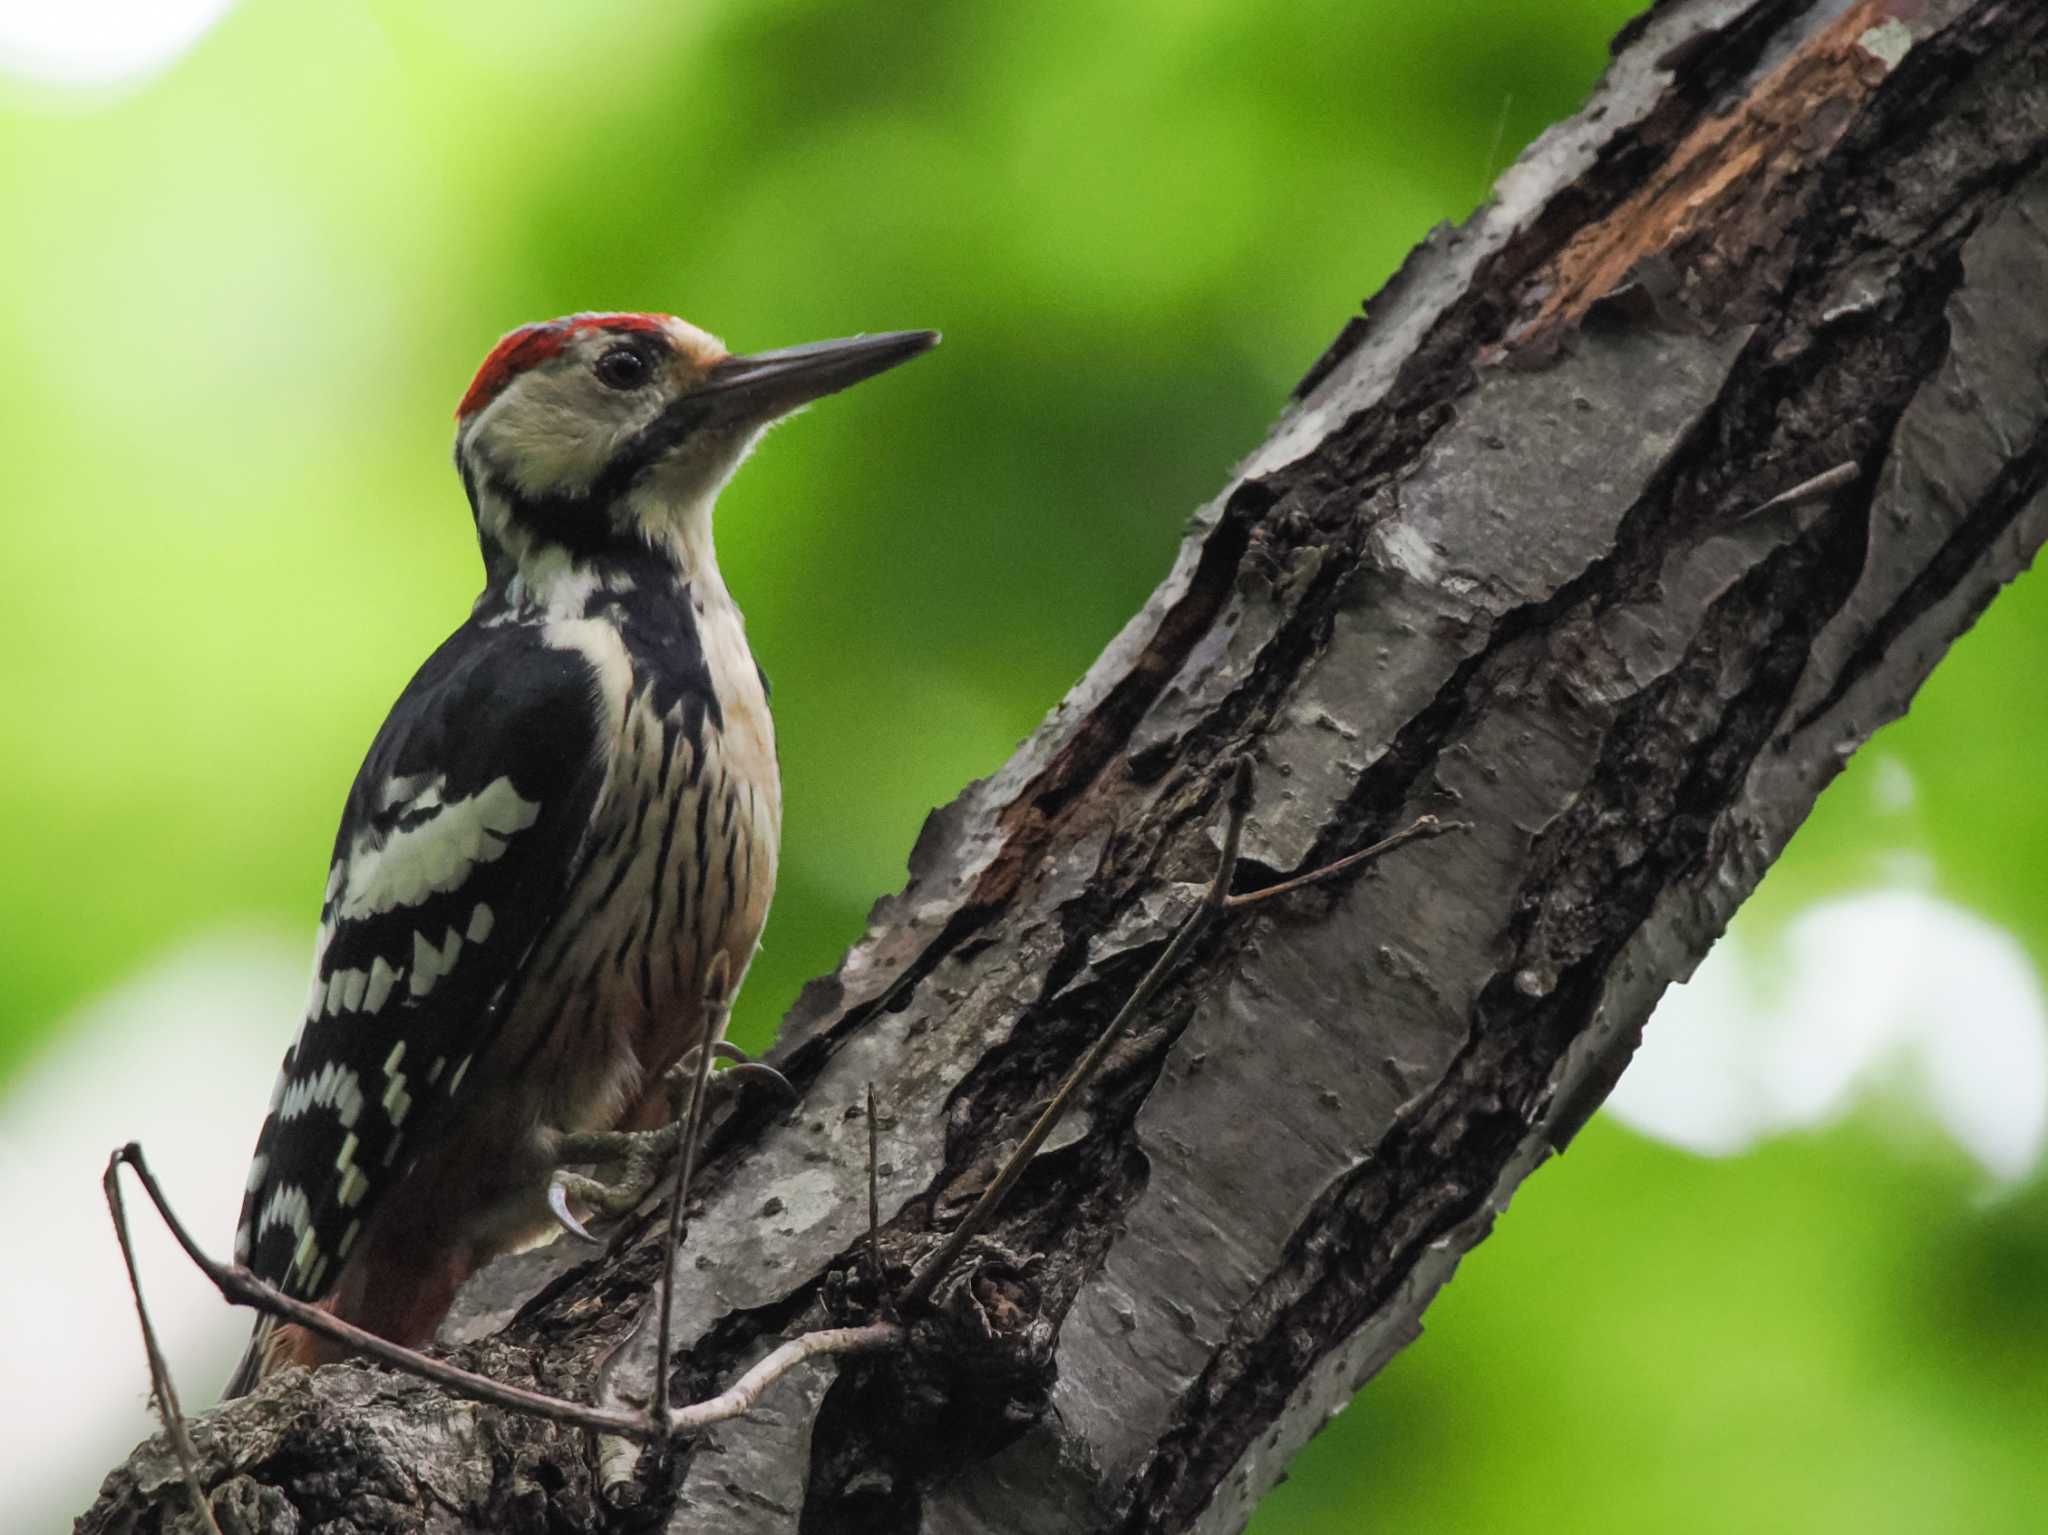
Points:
[571,809]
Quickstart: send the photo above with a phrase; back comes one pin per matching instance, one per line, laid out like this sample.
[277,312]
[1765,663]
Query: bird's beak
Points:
[770,384]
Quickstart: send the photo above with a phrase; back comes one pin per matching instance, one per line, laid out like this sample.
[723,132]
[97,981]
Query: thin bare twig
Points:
[872,1338]
[1424,826]
[241,1287]
[933,1268]
[718,1004]
[874,1197]
[1824,484]
[160,1382]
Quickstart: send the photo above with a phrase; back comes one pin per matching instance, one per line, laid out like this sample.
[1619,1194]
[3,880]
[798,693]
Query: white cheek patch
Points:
[436,855]
[554,429]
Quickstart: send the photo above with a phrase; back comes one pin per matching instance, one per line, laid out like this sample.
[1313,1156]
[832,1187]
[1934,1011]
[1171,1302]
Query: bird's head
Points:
[614,431]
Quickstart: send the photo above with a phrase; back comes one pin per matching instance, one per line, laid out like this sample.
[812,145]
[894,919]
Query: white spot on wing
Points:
[332,1086]
[480,922]
[382,978]
[426,962]
[353,1186]
[286,1206]
[284,1076]
[345,989]
[430,963]
[397,1102]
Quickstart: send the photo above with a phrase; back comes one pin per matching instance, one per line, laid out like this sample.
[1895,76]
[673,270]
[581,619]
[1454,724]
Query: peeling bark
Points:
[1501,560]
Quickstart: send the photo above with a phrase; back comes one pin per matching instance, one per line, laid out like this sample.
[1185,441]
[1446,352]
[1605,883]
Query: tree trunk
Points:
[1519,554]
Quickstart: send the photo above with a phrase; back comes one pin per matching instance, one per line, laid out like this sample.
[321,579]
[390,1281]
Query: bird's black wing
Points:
[460,835]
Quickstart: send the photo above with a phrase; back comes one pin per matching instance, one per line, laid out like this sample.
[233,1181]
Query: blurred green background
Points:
[242,294]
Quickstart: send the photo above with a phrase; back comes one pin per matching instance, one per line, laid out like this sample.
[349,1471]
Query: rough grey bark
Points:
[1501,560]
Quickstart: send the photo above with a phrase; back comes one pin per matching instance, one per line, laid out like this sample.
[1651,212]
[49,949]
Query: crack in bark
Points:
[2022,479]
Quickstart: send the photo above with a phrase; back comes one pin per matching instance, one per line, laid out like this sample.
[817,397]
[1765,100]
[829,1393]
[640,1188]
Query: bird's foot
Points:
[634,1160]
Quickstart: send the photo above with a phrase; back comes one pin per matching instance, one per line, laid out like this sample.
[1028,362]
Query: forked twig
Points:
[1216,899]
[241,1287]
[160,1382]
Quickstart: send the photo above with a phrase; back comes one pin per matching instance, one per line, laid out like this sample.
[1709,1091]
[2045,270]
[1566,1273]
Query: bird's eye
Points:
[622,368]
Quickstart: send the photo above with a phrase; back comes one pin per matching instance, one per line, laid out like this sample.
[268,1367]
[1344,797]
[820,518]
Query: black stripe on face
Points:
[652,443]
[588,522]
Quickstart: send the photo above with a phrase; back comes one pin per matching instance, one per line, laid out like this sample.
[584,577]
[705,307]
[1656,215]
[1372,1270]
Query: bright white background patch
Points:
[181,1058]
[1887,987]
[100,42]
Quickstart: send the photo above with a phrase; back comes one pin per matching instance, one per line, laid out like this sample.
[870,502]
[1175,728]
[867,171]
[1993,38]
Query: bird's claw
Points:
[558,1203]
[742,1068]
[760,1071]
[640,1155]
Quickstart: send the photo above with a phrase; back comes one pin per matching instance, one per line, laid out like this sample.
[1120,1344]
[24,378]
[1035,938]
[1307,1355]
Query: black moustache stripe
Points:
[587,522]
